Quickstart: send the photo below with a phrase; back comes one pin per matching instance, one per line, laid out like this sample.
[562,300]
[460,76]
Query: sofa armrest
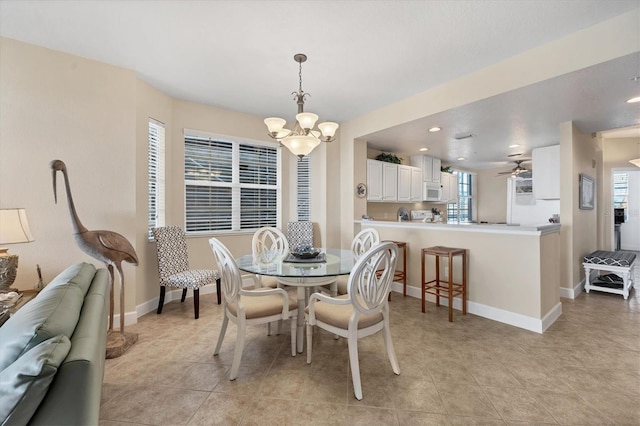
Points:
[74,395]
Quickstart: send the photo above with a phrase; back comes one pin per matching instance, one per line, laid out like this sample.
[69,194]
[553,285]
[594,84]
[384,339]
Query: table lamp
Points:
[14,229]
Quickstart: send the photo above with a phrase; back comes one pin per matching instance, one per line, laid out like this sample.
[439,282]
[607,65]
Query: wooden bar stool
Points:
[401,275]
[447,289]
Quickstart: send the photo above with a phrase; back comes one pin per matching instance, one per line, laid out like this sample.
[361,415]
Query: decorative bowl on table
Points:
[305,252]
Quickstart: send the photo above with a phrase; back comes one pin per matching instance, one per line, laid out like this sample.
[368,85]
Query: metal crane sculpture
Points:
[108,247]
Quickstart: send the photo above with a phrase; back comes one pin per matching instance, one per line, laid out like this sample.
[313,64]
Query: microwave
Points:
[431,192]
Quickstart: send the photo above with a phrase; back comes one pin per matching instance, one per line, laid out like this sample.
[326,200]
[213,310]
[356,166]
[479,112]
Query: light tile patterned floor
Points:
[585,369]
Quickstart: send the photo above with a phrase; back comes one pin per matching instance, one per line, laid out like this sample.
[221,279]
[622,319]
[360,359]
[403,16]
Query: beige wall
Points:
[59,106]
[151,103]
[492,195]
[579,235]
[608,40]
[616,155]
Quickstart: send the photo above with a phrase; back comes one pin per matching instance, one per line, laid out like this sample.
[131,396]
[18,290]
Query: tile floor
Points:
[585,369]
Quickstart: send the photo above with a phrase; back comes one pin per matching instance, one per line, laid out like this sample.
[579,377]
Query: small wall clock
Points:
[361,190]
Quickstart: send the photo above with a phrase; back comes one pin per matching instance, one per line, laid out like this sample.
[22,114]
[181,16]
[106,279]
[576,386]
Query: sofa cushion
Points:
[80,275]
[53,312]
[24,383]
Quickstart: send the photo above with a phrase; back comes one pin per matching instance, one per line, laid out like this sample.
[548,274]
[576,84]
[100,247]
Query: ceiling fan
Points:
[517,169]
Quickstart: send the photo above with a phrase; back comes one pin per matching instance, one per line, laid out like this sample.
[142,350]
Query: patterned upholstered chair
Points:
[300,234]
[173,267]
[363,311]
[249,307]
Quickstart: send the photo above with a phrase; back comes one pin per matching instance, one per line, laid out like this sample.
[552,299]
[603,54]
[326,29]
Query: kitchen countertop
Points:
[491,228]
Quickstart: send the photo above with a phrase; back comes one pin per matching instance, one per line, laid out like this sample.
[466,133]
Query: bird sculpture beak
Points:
[55,195]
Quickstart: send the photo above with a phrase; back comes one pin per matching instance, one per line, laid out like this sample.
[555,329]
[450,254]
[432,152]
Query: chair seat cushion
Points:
[263,306]
[339,315]
[611,258]
[342,282]
[270,282]
[192,279]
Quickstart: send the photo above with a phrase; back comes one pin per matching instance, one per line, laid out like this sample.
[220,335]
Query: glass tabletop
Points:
[337,262]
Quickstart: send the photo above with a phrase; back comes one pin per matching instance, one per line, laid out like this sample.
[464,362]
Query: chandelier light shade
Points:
[302,139]
[635,162]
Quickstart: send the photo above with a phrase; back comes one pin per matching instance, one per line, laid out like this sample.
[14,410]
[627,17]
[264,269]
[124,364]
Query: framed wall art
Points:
[587,192]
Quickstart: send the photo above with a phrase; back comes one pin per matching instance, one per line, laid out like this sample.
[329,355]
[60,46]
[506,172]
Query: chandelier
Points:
[302,139]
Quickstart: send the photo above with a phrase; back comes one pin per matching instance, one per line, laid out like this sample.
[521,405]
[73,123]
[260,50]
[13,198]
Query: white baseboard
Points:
[572,293]
[495,314]
[131,318]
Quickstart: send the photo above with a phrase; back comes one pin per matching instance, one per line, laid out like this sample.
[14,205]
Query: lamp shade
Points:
[300,145]
[14,227]
[635,162]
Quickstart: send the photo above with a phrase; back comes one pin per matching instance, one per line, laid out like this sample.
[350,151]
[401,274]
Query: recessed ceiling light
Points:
[460,158]
[633,100]
[424,149]
[515,145]
[435,129]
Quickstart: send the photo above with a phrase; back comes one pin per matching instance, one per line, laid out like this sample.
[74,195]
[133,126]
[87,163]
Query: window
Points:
[230,185]
[620,190]
[304,189]
[156,176]
[463,211]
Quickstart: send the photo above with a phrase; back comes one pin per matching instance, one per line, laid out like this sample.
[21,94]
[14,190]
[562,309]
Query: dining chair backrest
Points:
[230,279]
[269,244]
[363,241]
[300,234]
[371,277]
[172,251]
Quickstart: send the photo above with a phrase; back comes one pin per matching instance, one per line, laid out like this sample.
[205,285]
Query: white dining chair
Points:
[362,242]
[363,311]
[248,307]
[268,244]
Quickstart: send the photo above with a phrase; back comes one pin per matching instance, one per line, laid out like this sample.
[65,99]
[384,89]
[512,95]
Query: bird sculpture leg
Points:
[110,268]
[119,267]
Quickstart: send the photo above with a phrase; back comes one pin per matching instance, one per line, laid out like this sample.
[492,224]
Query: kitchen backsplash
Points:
[389,211]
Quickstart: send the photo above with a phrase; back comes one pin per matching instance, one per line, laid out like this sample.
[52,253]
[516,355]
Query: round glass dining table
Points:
[302,274]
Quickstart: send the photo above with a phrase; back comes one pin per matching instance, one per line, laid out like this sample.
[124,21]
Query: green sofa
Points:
[52,352]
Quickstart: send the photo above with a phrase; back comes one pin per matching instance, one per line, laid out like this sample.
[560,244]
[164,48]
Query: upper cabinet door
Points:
[430,167]
[546,172]
[404,183]
[389,182]
[374,180]
[416,184]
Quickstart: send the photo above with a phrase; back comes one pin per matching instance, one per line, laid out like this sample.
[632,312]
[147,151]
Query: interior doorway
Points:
[626,209]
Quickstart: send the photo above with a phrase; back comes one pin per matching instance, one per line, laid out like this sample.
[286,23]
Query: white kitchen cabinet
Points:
[374,180]
[389,182]
[416,184]
[404,183]
[546,172]
[449,182]
[430,167]
[382,181]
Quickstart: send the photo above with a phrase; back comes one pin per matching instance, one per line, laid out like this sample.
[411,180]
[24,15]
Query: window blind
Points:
[230,185]
[304,189]
[156,176]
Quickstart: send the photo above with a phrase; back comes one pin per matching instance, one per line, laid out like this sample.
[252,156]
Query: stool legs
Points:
[445,288]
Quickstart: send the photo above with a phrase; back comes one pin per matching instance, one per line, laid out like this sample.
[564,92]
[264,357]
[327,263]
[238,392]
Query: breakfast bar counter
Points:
[513,271]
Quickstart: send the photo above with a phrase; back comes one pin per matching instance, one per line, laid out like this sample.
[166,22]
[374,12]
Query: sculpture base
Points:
[118,343]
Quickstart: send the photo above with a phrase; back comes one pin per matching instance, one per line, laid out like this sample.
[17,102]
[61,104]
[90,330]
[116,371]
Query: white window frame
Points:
[235,185]
[472,201]
[156,184]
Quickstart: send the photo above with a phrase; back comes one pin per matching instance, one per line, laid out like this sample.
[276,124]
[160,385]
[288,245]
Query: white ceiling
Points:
[363,55]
